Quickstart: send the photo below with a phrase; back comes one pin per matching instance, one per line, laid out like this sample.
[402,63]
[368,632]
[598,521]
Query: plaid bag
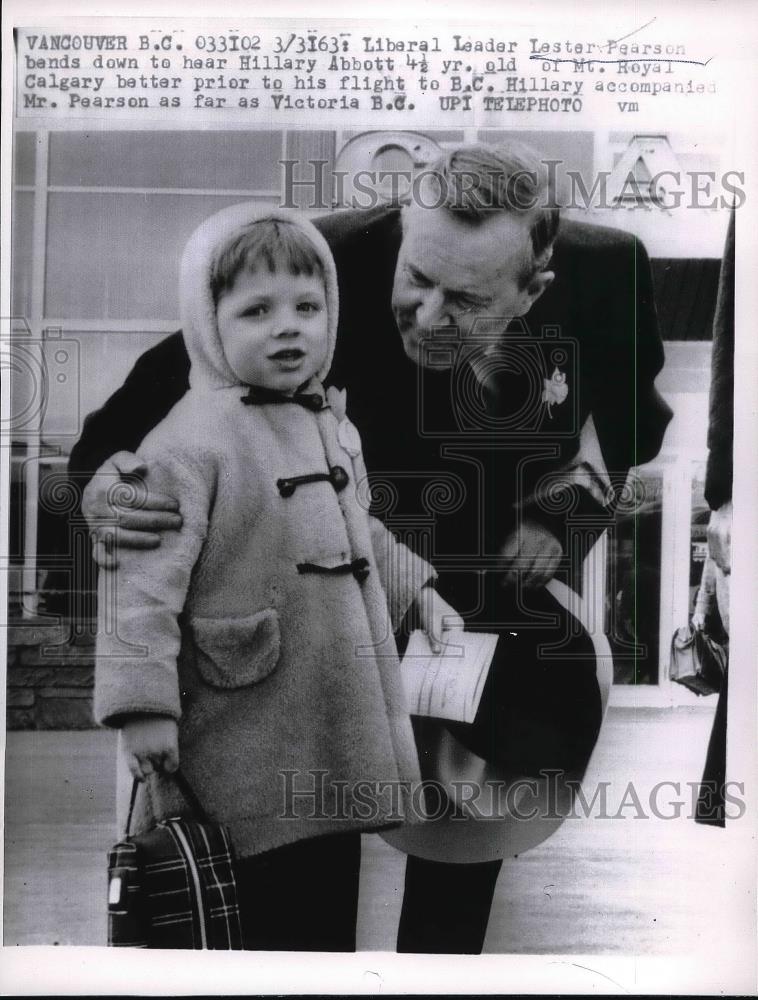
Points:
[174,887]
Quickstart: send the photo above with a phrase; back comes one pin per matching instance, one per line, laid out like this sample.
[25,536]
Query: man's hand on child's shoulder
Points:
[151,744]
[125,516]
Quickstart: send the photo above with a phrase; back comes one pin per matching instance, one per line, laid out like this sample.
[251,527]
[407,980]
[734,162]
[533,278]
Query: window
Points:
[100,222]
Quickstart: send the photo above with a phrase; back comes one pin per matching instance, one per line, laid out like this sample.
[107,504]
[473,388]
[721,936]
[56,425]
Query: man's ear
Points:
[538,284]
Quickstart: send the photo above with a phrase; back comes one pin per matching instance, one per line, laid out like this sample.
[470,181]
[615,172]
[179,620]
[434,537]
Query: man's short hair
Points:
[270,243]
[478,179]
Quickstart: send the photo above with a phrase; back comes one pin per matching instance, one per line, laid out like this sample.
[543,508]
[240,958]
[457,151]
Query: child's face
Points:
[273,328]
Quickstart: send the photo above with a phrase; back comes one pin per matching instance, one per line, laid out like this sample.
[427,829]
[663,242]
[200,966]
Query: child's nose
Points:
[288,323]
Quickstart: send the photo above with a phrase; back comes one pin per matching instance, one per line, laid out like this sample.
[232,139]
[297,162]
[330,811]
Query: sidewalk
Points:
[59,804]
[623,886]
[60,812]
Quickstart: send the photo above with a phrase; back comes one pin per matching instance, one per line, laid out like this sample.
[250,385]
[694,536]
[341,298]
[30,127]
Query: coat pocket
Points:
[235,652]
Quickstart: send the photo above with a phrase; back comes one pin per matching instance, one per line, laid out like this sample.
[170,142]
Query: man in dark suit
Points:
[474,427]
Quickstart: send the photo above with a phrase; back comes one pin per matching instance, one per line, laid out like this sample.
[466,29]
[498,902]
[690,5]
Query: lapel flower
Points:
[555,390]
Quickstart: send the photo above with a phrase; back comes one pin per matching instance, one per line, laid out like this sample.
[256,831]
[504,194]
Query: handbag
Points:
[697,660]
[174,886]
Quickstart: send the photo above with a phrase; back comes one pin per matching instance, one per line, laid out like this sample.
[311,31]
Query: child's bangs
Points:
[269,243]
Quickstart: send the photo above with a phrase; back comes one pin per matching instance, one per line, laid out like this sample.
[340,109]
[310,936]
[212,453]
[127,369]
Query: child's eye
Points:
[255,311]
[309,307]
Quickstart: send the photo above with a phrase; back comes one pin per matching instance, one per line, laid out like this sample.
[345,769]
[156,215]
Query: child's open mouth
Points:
[289,355]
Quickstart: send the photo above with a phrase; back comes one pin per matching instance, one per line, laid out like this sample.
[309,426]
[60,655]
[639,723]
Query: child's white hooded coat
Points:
[281,679]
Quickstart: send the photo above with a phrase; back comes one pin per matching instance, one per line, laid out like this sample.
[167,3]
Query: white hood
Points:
[198,311]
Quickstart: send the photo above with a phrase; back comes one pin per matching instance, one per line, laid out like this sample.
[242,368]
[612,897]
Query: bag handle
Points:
[184,787]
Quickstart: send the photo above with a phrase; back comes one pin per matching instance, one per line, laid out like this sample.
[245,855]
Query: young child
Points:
[255,645]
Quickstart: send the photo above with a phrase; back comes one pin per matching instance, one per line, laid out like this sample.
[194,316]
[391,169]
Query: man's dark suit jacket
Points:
[451,459]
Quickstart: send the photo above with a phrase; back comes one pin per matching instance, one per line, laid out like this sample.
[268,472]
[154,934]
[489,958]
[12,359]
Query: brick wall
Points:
[50,676]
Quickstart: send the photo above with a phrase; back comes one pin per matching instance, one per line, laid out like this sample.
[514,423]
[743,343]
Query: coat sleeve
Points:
[705,601]
[718,474]
[401,571]
[140,603]
[620,360]
[629,413]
